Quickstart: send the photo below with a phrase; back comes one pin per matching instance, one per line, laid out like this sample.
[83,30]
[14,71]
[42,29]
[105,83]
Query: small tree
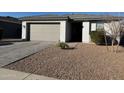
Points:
[114,28]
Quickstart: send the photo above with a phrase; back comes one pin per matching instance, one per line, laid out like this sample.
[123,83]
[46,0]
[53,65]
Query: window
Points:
[93,26]
[100,26]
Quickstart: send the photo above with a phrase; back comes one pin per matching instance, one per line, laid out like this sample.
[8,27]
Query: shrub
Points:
[1,33]
[63,45]
[97,37]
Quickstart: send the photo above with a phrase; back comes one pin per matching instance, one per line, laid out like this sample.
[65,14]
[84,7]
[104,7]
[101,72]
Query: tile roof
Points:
[75,17]
[45,17]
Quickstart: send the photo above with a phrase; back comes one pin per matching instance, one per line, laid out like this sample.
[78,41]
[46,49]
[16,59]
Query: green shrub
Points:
[1,32]
[97,37]
[63,45]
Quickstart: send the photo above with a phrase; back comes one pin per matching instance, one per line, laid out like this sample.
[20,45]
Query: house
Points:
[66,28]
[11,27]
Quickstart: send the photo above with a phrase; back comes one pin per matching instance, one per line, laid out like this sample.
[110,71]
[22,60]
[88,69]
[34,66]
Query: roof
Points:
[44,18]
[75,17]
[10,19]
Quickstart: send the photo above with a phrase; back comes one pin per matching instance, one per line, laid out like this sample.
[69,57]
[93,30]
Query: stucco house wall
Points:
[65,29]
[113,24]
[85,32]
[88,22]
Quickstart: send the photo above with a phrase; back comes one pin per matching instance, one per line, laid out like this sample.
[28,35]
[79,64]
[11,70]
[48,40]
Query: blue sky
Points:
[21,14]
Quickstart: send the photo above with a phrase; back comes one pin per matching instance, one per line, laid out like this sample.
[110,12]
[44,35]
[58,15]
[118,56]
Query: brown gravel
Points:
[86,62]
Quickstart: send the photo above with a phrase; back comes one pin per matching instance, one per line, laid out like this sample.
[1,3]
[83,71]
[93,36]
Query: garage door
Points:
[45,32]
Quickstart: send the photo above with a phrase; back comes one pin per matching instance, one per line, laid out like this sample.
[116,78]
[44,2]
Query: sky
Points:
[22,14]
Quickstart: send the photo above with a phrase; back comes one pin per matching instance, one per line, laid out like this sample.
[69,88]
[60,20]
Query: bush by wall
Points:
[97,37]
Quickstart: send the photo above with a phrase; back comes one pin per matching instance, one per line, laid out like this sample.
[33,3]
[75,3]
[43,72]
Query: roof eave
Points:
[45,19]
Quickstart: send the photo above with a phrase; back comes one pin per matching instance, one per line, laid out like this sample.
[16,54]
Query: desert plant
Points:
[63,45]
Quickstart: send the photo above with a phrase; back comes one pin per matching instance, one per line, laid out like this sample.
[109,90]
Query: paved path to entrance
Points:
[6,74]
[19,50]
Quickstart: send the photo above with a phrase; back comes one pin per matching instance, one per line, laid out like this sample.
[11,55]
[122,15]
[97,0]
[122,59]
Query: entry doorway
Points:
[76,32]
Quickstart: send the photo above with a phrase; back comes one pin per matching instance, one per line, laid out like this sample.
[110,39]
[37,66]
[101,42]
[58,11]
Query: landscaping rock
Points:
[86,62]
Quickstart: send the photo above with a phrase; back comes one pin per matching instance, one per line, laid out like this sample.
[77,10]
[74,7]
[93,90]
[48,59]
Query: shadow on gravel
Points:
[70,48]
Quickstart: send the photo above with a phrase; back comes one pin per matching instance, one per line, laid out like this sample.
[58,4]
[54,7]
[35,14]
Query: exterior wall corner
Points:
[85,32]
[63,31]
[24,26]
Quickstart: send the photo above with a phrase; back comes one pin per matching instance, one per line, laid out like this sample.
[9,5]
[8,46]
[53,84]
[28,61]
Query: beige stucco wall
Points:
[24,30]
[85,32]
[115,25]
[63,31]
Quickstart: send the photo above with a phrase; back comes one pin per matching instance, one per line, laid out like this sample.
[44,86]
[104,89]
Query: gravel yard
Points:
[85,62]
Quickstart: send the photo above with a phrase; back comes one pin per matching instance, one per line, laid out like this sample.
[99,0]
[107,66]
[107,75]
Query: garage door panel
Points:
[45,32]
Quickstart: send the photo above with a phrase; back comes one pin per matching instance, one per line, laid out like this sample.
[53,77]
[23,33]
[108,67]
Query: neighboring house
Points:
[11,26]
[66,28]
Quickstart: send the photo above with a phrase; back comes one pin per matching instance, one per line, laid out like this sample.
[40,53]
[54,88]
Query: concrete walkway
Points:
[19,50]
[6,74]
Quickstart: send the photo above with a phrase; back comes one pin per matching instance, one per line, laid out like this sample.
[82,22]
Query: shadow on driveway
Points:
[3,43]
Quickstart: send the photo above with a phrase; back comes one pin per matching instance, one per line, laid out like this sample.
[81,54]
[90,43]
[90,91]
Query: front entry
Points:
[76,32]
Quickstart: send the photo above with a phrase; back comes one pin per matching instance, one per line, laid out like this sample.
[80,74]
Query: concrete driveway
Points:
[18,50]
[6,74]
